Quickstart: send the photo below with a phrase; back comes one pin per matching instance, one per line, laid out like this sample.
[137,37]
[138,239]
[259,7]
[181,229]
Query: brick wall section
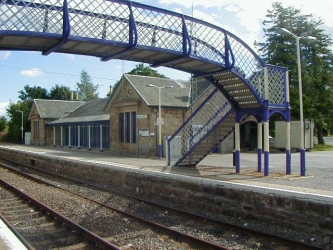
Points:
[196,194]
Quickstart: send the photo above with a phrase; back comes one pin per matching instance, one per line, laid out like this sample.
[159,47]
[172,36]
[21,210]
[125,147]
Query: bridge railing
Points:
[125,23]
[210,112]
[133,25]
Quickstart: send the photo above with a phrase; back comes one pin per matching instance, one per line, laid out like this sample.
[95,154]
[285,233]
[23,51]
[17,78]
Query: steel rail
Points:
[88,234]
[254,231]
[170,230]
[16,233]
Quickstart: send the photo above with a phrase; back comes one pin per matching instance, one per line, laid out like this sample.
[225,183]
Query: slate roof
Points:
[54,109]
[93,107]
[90,111]
[177,96]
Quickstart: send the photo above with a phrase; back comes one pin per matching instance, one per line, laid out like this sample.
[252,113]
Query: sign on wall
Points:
[144,132]
[141,116]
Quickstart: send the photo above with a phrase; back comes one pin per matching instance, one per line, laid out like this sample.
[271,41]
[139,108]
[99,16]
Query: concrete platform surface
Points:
[8,240]
[318,179]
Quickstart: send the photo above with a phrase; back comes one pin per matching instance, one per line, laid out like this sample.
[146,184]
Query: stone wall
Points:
[206,196]
[147,132]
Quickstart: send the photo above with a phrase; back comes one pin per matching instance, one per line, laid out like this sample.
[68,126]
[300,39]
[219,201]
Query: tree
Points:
[316,59]
[142,70]
[15,120]
[60,93]
[3,123]
[85,88]
[26,96]
[31,93]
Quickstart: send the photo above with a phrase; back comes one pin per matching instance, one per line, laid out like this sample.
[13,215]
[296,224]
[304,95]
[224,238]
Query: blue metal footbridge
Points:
[119,29]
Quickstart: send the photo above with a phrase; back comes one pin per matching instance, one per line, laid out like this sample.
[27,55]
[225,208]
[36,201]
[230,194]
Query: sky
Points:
[240,17]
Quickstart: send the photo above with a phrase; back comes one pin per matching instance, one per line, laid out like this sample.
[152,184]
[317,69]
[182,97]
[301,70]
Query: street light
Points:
[159,119]
[20,111]
[301,130]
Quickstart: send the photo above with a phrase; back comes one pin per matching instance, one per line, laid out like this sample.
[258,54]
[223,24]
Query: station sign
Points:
[141,116]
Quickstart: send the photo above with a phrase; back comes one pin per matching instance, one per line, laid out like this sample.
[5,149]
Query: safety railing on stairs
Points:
[209,113]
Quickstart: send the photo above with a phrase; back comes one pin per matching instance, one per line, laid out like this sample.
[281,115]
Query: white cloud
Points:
[70,56]
[3,106]
[178,10]
[35,72]
[189,3]
[4,55]
[246,21]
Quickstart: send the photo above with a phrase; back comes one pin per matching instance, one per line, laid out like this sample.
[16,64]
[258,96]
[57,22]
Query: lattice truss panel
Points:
[158,29]
[276,85]
[99,19]
[33,16]
[251,69]
[197,126]
[207,42]
[109,21]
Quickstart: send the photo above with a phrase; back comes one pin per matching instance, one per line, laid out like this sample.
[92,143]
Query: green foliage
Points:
[142,70]
[31,93]
[60,93]
[15,120]
[322,147]
[3,123]
[85,88]
[316,57]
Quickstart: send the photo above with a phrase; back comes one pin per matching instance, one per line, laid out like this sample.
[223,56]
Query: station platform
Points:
[317,181]
[8,240]
[316,184]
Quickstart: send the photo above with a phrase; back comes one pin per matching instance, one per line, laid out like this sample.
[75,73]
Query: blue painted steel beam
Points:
[66,30]
[132,37]
[186,49]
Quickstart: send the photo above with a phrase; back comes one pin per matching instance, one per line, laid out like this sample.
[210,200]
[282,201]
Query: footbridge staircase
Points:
[126,30]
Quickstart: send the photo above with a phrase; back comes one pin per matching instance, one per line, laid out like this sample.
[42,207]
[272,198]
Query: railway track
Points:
[40,227]
[209,233]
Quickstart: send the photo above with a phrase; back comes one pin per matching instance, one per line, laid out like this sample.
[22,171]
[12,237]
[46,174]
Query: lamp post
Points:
[159,119]
[301,130]
[20,111]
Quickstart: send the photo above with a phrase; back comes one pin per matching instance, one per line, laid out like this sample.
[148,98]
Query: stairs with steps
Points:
[202,131]
[238,89]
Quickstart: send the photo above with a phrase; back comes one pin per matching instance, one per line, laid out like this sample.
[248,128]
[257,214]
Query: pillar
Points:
[54,144]
[288,127]
[266,148]
[259,145]
[288,148]
[61,142]
[78,137]
[237,147]
[69,137]
[266,123]
[101,136]
[89,141]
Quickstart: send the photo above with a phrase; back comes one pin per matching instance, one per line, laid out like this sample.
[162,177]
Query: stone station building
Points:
[126,122]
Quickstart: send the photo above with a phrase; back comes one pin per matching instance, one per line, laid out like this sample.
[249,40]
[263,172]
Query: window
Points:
[121,127]
[127,127]
[134,127]
[36,129]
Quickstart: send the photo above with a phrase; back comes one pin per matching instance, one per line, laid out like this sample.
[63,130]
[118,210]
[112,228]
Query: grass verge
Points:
[318,147]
